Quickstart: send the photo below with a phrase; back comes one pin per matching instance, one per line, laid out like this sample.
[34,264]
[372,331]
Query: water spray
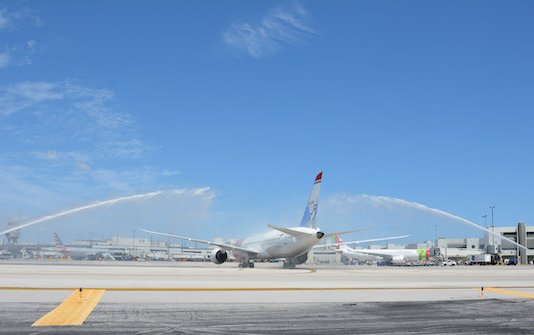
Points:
[422,207]
[83,208]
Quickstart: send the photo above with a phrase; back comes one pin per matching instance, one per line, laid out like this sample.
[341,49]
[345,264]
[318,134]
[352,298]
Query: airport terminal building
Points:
[500,249]
[521,234]
[487,249]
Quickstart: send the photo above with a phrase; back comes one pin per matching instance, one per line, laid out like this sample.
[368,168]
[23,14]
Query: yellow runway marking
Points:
[73,311]
[509,292]
[200,289]
[209,289]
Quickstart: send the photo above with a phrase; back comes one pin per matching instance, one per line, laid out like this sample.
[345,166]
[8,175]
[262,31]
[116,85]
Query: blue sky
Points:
[239,104]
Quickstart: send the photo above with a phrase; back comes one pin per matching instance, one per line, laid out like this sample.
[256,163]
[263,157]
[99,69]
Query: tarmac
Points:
[182,298]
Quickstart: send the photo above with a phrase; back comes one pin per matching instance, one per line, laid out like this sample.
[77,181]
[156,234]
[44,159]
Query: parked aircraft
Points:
[342,247]
[290,244]
[80,252]
[394,256]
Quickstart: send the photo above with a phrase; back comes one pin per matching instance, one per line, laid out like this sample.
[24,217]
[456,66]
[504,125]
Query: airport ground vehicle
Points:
[483,259]
[4,254]
[512,261]
[448,263]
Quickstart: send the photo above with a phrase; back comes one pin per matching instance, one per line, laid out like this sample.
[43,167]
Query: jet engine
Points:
[218,256]
[397,259]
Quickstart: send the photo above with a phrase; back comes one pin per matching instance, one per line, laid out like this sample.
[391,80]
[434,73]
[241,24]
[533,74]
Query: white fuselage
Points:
[359,256]
[276,244]
[80,252]
[406,255]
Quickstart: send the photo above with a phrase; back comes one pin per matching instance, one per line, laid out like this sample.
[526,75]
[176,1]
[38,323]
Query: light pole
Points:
[485,216]
[492,226]
[436,241]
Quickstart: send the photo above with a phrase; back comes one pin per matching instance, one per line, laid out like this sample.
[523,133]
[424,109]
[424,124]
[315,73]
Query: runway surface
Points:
[449,317]
[177,298]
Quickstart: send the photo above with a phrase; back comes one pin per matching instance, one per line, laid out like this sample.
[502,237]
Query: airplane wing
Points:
[378,239]
[289,231]
[297,233]
[362,241]
[220,245]
[372,253]
[346,232]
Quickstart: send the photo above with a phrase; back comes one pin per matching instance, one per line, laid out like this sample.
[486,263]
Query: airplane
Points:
[393,256]
[80,252]
[290,244]
[361,257]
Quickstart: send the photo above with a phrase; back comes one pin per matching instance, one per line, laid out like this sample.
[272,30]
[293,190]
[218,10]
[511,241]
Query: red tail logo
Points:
[339,241]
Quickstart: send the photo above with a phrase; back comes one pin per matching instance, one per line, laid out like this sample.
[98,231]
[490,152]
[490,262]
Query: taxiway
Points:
[206,298]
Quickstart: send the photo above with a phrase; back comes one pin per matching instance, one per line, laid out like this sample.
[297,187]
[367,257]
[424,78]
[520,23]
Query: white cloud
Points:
[49,155]
[64,159]
[281,27]
[17,53]
[62,113]
[127,180]
[4,61]
[185,210]
[125,148]
[10,19]
[25,191]
[83,166]
[18,97]
[36,187]
[4,19]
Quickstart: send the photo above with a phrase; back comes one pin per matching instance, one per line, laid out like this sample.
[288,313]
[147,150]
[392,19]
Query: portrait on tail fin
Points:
[310,212]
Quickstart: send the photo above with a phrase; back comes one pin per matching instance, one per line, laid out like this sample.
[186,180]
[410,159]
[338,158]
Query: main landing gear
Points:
[289,265]
[246,264]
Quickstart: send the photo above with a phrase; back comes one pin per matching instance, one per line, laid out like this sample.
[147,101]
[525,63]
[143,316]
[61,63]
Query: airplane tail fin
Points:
[424,254]
[308,219]
[57,241]
[339,241]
